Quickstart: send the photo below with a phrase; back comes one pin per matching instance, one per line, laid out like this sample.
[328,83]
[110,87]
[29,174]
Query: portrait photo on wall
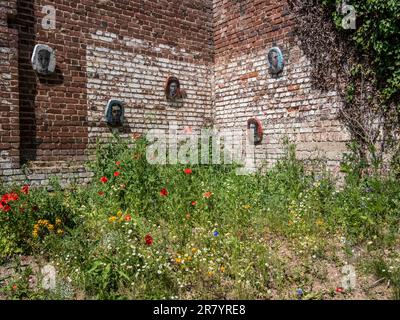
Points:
[43,59]
[173,90]
[115,112]
[255,129]
[276,62]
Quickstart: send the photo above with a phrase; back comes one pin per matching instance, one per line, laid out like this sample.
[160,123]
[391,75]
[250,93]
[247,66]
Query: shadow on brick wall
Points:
[24,22]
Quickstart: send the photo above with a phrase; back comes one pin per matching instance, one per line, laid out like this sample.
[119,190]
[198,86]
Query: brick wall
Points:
[9,109]
[131,61]
[126,50]
[104,49]
[287,106]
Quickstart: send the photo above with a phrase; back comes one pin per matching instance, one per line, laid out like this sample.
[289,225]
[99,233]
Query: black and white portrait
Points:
[115,113]
[43,59]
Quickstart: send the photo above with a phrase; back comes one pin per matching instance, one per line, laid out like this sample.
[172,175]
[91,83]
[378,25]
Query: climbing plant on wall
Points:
[377,34]
[362,64]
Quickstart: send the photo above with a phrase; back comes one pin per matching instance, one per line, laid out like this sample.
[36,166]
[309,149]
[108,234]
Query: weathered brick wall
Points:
[105,49]
[126,50]
[53,109]
[287,106]
[131,61]
[9,109]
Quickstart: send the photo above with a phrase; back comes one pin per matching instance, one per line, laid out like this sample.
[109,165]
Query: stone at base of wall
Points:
[36,174]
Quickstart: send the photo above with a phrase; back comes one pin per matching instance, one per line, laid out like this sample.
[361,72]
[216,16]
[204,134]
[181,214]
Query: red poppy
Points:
[188,171]
[117,174]
[207,195]
[14,287]
[118,163]
[4,206]
[14,196]
[10,197]
[339,290]
[101,193]
[25,189]
[194,203]
[128,218]
[149,240]
[104,179]
[164,192]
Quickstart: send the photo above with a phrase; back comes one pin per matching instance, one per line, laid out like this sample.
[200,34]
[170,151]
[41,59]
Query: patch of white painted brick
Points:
[287,106]
[138,80]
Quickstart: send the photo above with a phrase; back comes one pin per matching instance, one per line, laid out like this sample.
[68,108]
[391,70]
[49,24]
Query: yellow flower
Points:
[60,232]
[210,273]
[319,222]
[35,234]
[178,260]
[50,227]
[58,221]
[112,219]
[222,269]
[194,250]
[43,223]
[119,214]
[247,206]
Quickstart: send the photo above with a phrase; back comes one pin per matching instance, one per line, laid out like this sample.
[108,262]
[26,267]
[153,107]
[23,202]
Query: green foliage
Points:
[390,273]
[25,210]
[378,36]
[213,231]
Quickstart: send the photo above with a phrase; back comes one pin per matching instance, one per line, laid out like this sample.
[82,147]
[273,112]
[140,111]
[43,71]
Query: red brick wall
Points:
[9,109]
[53,109]
[54,117]
[288,105]
[135,49]
[241,26]
[109,49]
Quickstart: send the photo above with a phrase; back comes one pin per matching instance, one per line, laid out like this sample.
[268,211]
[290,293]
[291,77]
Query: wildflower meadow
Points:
[141,231]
